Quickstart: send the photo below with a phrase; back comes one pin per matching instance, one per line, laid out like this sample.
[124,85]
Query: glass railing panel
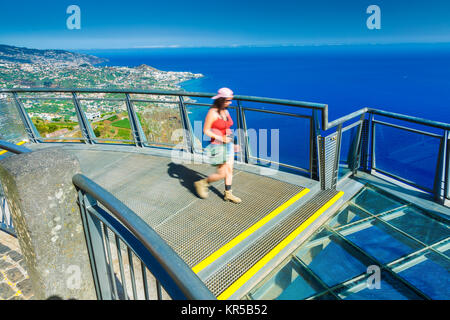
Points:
[108,119]
[110,122]
[346,157]
[418,224]
[13,129]
[55,119]
[408,155]
[427,271]
[208,102]
[409,124]
[160,119]
[160,122]
[388,288]
[119,129]
[197,115]
[279,138]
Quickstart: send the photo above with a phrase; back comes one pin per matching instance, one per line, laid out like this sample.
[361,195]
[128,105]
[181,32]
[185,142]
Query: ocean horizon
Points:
[411,79]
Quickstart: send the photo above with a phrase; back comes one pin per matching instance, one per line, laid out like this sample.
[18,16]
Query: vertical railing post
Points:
[138,133]
[447,171]
[33,134]
[85,126]
[96,250]
[337,156]
[329,154]
[372,144]
[239,135]
[186,126]
[321,149]
[356,152]
[314,147]
[441,175]
[365,145]
[243,134]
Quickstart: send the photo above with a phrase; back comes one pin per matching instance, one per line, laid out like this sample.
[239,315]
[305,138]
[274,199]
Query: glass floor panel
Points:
[375,202]
[332,260]
[348,215]
[443,247]
[429,272]
[326,296]
[292,282]
[380,241]
[416,223]
[388,288]
[410,246]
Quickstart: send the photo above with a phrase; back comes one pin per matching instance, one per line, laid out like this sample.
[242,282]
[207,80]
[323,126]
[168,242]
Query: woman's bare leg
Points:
[220,174]
[229,173]
[228,195]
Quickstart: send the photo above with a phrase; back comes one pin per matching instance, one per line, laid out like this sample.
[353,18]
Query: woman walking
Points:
[217,126]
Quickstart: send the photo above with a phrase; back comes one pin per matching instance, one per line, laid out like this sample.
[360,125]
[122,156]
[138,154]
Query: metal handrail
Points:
[310,105]
[293,103]
[430,123]
[14,148]
[187,282]
[348,117]
[318,110]
[139,138]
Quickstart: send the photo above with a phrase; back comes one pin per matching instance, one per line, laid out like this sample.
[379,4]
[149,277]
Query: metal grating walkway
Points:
[162,194]
[231,276]
[206,225]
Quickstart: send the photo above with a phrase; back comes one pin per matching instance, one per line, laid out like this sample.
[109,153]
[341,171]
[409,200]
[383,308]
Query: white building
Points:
[93,115]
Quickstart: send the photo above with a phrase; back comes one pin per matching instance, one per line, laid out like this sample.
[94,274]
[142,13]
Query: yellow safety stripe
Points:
[19,144]
[214,256]
[263,261]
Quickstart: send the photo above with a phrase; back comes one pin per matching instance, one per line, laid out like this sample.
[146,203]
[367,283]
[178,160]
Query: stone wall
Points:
[46,216]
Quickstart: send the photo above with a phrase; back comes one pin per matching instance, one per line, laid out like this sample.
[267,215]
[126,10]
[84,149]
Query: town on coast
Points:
[56,118]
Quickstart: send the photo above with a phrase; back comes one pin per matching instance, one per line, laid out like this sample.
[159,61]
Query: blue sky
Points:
[137,24]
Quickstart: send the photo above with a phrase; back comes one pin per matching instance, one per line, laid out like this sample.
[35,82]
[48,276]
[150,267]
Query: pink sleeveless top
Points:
[221,127]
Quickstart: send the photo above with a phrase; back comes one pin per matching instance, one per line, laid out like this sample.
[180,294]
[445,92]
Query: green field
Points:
[124,123]
[124,134]
[44,127]
[113,118]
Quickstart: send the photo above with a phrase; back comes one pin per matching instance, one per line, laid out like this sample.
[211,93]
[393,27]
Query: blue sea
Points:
[410,79]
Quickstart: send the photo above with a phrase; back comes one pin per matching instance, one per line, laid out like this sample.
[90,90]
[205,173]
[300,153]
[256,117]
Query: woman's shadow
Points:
[187,177]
